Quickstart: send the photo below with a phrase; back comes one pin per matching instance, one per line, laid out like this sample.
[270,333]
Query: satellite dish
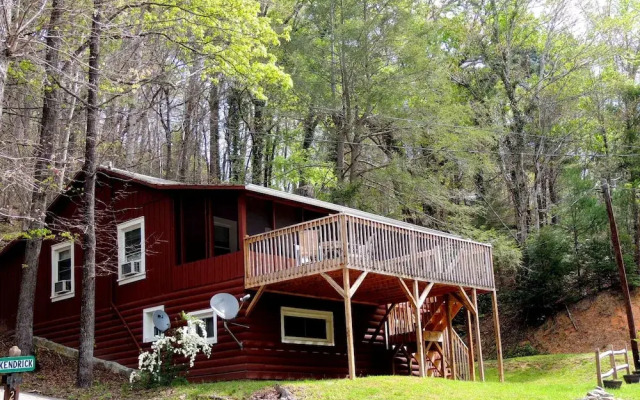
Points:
[225,305]
[161,320]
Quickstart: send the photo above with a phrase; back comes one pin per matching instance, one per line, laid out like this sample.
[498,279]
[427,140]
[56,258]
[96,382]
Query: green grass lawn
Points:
[565,376]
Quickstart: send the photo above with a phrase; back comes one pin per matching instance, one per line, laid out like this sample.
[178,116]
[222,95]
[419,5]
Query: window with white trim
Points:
[225,236]
[149,332]
[210,322]
[62,274]
[302,326]
[131,251]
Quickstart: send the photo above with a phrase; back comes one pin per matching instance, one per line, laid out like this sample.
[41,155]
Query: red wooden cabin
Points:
[335,291]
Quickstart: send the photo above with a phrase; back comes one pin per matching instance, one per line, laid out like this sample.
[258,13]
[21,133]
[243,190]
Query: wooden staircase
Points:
[401,324]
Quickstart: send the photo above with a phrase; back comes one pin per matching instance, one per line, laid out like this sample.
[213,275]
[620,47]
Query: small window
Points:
[225,236]
[131,251]
[211,323]
[149,332]
[62,274]
[306,326]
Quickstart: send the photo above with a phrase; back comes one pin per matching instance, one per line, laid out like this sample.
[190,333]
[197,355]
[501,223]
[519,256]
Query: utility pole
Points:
[615,242]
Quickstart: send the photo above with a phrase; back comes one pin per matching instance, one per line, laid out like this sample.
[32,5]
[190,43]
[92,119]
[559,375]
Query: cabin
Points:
[334,291]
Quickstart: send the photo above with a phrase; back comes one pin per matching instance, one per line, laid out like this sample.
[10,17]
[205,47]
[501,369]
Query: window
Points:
[131,251]
[194,228]
[211,323]
[225,236]
[204,228]
[149,332]
[306,326]
[62,282]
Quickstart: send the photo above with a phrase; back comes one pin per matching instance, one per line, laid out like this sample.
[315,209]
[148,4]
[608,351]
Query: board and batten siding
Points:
[187,287]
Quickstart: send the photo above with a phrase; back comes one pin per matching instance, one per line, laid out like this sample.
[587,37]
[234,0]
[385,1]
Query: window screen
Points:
[64,265]
[222,236]
[132,244]
[303,327]
[208,322]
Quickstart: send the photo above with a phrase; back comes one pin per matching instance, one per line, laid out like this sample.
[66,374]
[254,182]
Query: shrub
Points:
[521,350]
[159,367]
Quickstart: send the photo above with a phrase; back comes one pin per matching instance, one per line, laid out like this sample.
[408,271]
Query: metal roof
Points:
[169,184]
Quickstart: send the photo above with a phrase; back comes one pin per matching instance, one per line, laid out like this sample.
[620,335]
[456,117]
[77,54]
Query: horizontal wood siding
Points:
[10,285]
[186,287]
[268,358]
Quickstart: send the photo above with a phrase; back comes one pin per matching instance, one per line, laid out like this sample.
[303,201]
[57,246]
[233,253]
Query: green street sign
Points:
[9,365]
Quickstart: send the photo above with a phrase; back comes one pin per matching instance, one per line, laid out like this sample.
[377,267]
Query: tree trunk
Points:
[44,155]
[6,26]
[257,145]
[166,124]
[271,145]
[309,128]
[4,69]
[636,227]
[347,113]
[543,200]
[214,133]
[66,140]
[236,157]
[537,192]
[87,307]
[190,119]
[553,195]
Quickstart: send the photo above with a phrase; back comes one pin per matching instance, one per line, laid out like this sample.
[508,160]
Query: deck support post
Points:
[472,365]
[474,297]
[351,358]
[450,333]
[419,339]
[496,323]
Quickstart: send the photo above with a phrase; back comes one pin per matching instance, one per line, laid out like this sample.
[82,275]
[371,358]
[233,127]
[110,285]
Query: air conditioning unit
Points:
[130,268]
[62,287]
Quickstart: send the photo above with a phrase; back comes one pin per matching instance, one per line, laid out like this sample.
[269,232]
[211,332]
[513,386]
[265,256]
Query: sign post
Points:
[11,369]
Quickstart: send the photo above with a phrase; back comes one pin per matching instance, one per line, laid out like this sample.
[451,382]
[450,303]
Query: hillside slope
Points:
[600,321]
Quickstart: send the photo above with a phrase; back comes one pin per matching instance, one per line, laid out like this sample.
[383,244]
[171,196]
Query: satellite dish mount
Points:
[226,306]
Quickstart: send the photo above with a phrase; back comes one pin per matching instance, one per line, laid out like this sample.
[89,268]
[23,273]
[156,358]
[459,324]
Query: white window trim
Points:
[206,314]
[147,324]
[327,316]
[125,227]
[233,231]
[55,249]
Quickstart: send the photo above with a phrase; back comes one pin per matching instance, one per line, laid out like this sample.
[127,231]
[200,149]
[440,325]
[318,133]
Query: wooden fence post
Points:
[612,358]
[598,370]
[626,359]
[12,389]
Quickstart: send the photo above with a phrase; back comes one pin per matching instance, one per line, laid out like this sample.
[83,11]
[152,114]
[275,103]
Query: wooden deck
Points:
[384,263]
[347,241]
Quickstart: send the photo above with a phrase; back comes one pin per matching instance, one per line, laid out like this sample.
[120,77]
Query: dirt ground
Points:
[600,321]
[55,376]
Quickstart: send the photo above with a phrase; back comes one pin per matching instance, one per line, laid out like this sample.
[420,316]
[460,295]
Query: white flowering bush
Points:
[158,366]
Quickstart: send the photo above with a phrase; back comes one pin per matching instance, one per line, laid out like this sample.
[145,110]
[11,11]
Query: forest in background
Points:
[493,119]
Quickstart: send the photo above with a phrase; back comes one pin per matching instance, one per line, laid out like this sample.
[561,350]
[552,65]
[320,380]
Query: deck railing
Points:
[402,318]
[330,243]
[460,354]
